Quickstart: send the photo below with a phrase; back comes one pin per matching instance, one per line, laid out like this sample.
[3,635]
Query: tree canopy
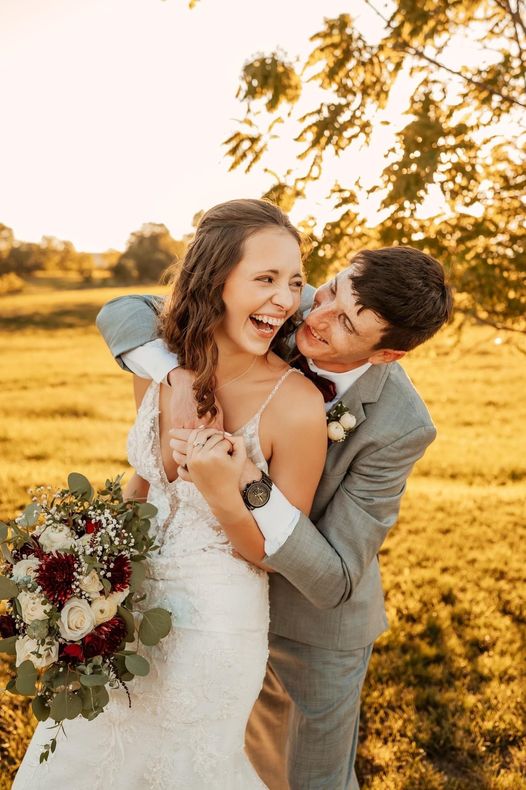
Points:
[464,138]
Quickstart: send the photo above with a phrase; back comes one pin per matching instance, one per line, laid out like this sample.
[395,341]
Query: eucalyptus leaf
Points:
[11,686]
[7,554]
[146,510]
[7,645]
[8,589]
[97,679]
[30,515]
[66,705]
[137,665]
[38,629]
[26,678]
[155,625]
[127,616]
[138,575]
[80,485]
[40,708]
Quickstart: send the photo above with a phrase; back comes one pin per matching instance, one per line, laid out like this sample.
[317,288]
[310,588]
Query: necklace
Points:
[237,377]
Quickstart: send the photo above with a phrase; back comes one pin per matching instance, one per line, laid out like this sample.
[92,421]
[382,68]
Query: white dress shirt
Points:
[278,517]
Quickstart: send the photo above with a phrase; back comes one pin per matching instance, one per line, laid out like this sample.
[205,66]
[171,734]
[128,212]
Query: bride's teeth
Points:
[268,319]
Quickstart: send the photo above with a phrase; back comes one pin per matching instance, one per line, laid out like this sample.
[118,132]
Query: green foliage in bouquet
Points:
[73,567]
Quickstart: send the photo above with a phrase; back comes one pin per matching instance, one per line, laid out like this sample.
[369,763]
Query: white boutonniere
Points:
[340,423]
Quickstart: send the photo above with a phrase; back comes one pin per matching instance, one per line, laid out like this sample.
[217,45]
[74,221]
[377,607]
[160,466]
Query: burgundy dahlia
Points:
[72,653]
[119,575]
[105,639]
[56,574]
[93,645]
[7,626]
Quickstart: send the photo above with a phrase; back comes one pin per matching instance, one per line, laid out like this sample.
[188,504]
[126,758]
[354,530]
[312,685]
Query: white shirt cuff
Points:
[276,520]
[153,360]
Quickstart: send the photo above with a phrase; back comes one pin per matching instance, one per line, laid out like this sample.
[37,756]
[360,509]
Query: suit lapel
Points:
[366,390]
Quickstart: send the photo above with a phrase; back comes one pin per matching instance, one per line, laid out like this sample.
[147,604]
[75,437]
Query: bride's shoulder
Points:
[298,400]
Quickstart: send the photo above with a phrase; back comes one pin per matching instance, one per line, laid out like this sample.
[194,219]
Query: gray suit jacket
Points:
[327,589]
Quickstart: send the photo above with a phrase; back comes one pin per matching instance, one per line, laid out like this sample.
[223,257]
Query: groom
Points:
[327,605]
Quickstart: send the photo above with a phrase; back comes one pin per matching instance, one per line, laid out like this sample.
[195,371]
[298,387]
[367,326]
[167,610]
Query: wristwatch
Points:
[257,493]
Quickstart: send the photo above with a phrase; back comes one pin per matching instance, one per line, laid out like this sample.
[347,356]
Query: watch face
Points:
[258,494]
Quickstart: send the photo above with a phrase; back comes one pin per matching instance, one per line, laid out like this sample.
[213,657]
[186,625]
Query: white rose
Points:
[335,431]
[103,609]
[76,619]
[348,421]
[25,647]
[119,597]
[91,584]
[56,538]
[25,568]
[33,606]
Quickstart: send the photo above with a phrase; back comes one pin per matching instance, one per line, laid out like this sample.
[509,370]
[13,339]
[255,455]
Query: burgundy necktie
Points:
[326,387]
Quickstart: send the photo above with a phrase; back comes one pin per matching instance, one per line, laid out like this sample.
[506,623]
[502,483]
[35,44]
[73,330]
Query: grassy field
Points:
[444,700]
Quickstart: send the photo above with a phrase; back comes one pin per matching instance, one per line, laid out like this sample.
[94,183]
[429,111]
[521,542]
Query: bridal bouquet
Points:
[74,562]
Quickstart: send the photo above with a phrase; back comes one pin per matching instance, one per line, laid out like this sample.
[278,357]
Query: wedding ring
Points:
[199,444]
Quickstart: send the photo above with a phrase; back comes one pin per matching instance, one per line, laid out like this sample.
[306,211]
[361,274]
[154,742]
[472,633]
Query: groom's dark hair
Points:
[406,288]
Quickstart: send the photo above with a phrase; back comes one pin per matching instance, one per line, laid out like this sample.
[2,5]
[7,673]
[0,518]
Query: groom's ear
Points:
[385,355]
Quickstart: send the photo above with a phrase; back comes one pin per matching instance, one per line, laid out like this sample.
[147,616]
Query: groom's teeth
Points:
[316,335]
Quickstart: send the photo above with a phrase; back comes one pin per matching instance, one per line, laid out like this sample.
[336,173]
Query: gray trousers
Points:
[303,730]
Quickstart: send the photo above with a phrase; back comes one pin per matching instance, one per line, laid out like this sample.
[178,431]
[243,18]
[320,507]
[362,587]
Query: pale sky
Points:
[114,111]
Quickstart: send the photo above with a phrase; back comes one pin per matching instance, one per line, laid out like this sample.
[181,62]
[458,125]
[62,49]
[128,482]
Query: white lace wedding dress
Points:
[186,726]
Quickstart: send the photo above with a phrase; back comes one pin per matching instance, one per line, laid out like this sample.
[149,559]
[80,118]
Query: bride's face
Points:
[262,291]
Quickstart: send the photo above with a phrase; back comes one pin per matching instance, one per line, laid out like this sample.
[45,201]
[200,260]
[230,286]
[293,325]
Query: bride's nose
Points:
[283,297]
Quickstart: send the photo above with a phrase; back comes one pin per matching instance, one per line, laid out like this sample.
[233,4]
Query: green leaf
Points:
[30,515]
[137,665]
[7,554]
[26,678]
[97,679]
[7,645]
[4,531]
[138,575]
[40,708]
[156,623]
[8,589]
[38,629]
[11,686]
[80,485]
[66,705]
[146,510]
[127,616]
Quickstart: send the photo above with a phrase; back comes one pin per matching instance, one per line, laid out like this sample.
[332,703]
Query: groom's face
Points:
[338,334]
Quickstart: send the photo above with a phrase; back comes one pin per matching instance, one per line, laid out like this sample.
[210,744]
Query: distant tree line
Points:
[149,252]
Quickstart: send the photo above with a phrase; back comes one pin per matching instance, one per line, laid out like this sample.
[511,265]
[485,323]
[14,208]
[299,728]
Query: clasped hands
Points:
[214,460]
[206,455]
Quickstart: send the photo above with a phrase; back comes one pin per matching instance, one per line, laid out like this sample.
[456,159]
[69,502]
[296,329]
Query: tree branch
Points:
[410,49]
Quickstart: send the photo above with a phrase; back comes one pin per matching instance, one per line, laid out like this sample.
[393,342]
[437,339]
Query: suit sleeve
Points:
[358,519]
[128,322]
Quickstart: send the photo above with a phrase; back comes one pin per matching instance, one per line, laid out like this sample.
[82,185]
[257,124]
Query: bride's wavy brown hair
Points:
[195,306]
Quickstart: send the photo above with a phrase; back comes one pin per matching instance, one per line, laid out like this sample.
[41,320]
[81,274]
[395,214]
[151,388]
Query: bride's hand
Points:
[216,463]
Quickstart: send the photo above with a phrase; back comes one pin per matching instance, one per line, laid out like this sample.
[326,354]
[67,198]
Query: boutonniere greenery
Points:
[340,423]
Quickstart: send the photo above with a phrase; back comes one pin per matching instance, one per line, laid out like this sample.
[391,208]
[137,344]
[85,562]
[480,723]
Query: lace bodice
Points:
[199,527]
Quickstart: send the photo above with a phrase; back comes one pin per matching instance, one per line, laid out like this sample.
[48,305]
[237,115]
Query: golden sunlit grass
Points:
[442,704]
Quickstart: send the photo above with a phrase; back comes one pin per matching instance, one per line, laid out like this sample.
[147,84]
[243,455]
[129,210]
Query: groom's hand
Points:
[183,407]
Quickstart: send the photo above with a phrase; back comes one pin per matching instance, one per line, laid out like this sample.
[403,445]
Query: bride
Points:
[227,318]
